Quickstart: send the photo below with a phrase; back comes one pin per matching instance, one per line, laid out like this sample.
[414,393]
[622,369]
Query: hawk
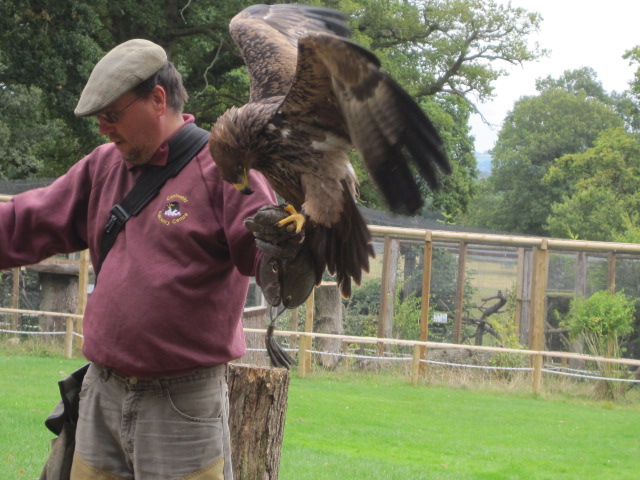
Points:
[315,96]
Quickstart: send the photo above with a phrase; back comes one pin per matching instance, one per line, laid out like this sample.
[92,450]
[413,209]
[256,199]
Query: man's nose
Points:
[104,128]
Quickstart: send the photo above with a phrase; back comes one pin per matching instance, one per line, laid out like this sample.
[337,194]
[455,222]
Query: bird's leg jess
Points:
[294,219]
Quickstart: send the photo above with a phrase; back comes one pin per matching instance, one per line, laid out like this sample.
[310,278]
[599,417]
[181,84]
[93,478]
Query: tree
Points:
[633,55]
[19,133]
[445,53]
[50,47]
[583,80]
[450,46]
[538,130]
[602,185]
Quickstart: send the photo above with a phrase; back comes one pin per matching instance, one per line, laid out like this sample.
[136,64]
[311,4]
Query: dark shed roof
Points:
[13,187]
[388,219]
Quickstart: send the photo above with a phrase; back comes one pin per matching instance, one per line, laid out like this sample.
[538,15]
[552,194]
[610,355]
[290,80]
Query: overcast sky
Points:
[579,34]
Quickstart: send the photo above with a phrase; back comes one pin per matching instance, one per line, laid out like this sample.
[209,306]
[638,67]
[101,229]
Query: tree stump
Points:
[328,319]
[257,411]
[59,293]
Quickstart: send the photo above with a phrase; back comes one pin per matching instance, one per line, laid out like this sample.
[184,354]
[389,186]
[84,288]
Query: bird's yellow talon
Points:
[290,209]
[295,219]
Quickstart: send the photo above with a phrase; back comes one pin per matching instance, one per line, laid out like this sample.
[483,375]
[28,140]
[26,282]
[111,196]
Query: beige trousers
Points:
[160,429]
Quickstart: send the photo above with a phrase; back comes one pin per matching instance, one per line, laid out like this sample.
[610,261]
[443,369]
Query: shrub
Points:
[602,321]
[504,324]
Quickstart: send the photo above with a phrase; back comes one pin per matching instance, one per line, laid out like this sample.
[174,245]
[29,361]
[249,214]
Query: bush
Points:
[504,324]
[362,310]
[602,321]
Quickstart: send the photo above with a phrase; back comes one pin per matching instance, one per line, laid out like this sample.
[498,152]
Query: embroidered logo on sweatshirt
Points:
[175,210]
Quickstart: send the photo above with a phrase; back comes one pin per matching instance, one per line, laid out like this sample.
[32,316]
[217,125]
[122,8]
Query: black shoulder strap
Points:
[182,148]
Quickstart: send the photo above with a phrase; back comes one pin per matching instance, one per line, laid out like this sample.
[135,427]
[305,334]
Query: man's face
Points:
[131,122]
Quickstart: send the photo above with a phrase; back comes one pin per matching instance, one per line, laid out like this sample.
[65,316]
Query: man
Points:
[165,316]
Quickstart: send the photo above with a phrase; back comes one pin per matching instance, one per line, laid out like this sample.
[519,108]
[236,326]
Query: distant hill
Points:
[484,163]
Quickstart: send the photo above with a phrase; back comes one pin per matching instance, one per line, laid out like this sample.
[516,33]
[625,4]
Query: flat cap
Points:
[120,70]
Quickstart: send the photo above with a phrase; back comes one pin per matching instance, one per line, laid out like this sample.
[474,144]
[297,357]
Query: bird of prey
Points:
[314,97]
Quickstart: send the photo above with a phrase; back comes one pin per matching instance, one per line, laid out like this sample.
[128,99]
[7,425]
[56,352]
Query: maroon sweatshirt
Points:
[170,295]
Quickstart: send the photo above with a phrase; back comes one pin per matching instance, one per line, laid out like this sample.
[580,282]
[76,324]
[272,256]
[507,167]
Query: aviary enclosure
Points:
[425,286]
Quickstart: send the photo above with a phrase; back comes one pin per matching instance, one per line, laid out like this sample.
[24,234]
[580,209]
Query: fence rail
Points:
[532,280]
[494,239]
[417,360]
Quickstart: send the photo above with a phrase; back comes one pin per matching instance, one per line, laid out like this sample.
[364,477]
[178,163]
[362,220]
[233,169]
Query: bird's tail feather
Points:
[343,249]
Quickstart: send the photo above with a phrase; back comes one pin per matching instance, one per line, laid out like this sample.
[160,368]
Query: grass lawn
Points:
[368,427]
[28,393]
[353,426]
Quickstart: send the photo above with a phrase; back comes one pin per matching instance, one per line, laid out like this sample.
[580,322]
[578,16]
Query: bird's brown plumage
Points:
[315,96]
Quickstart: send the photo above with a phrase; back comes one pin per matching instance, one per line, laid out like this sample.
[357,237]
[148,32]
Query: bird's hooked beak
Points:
[243,186]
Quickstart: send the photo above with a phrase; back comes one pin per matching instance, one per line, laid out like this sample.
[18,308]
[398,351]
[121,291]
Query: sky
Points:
[579,33]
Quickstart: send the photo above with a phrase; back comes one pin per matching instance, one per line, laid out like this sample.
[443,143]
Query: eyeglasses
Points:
[114,117]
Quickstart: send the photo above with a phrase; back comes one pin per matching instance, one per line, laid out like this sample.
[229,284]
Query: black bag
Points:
[62,421]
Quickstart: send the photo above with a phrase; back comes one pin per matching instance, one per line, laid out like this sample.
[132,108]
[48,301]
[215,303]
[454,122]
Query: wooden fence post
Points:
[611,271]
[257,411]
[540,280]
[387,290]
[15,299]
[426,298]
[415,365]
[304,357]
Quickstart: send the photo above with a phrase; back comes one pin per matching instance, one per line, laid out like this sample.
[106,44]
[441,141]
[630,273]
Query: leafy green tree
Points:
[602,185]
[442,52]
[50,46]
[538,130]
[19,134]
[445,46]
[582,80]
[633,55]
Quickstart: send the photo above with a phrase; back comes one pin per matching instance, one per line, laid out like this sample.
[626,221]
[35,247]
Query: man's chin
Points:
[134,157]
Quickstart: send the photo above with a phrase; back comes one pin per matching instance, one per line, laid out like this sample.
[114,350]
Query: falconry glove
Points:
[286,271]
[272,239]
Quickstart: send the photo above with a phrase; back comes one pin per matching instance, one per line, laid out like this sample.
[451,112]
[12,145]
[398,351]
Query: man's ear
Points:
[159,99]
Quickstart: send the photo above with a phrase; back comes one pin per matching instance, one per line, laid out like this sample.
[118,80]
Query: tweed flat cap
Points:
[120,70]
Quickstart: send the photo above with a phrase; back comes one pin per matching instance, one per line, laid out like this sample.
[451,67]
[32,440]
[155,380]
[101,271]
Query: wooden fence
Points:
[533,274]
[305,339]
[304,342]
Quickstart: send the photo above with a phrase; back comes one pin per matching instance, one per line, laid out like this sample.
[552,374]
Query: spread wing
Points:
[314,95]
[339,84]
[267,36]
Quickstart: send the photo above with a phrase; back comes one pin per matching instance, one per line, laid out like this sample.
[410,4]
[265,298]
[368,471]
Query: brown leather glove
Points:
[287,269]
